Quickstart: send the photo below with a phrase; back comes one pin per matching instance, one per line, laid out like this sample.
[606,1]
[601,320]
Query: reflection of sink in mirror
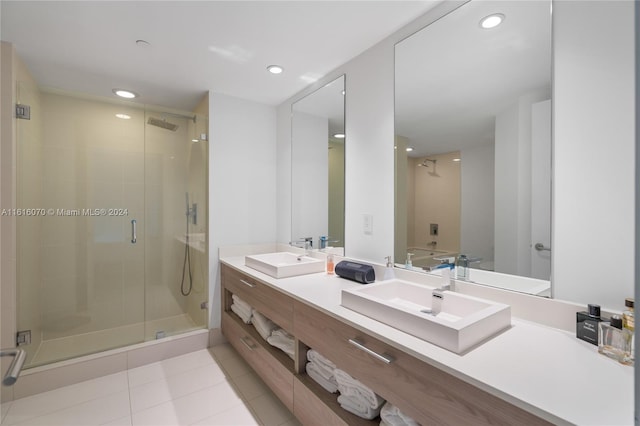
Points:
[463,321]
[284,264]
[426,258]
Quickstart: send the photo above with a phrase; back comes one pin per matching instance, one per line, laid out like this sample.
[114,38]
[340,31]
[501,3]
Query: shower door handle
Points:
[134,231]
[19,356]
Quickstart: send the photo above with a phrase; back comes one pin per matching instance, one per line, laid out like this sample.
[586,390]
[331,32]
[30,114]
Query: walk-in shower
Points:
[100,264]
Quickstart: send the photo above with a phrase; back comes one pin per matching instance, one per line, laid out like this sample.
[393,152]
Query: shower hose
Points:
[186,264]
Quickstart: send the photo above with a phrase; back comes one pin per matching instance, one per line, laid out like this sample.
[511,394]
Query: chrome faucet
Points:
[306,243]
[436,301]
[437,296]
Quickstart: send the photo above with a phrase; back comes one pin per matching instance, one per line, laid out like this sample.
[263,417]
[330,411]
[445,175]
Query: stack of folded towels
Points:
[283,340]
[262,324]
[242,309]
[321,370]
[392,416]
[356,397]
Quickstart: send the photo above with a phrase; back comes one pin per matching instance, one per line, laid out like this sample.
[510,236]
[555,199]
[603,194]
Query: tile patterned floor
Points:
[207,387]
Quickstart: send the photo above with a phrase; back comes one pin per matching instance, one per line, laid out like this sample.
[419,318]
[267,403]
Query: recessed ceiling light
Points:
[275,69]
[125,93]
[491,21]
[339,136]
[409,149]
[123,116]
[195,140]
[143,43]
[456,160]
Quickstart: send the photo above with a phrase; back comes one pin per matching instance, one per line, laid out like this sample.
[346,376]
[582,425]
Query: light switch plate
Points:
[367,224]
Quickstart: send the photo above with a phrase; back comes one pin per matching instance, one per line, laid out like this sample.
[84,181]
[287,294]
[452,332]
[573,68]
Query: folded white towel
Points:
[355,407]
[394,417]
[282,340]
[242,313]
[330,385]
[263,324]
[314,356]
[245,305]
[243,309]
[324,371]
[351,387]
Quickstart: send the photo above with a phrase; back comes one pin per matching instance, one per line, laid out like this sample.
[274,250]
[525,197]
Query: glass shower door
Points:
[175,223]
[80,265]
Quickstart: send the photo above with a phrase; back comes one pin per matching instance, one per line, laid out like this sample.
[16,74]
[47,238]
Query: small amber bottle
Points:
[628,323]
[330,264]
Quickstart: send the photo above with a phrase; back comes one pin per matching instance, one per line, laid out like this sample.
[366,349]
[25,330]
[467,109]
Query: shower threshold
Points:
[64,348]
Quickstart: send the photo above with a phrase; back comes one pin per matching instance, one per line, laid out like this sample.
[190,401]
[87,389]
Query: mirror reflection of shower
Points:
[431,168]
[426,161]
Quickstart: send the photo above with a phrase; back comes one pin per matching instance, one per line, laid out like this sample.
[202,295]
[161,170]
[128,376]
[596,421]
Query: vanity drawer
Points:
[271,303]
[273,371]
[422,391]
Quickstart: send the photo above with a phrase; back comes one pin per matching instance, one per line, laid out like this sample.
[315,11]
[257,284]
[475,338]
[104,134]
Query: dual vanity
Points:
[471,362]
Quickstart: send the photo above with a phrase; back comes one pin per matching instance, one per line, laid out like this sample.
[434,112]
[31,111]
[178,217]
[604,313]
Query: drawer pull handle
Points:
[247,283]
[250,346]
[387,359]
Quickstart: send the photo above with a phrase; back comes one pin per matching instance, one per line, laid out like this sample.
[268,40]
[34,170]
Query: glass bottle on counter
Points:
[628,323]
[614,340]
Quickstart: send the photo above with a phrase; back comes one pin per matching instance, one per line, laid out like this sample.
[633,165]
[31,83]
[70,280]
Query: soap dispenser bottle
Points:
[389,274]
[408,263]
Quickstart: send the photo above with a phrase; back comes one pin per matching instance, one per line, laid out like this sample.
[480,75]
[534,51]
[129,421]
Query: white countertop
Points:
[546,371]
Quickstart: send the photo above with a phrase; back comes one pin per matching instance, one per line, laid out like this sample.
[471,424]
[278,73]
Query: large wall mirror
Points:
[317,165]
[473,143]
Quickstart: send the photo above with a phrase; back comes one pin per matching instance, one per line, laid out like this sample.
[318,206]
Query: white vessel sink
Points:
[284,264]
[463,322]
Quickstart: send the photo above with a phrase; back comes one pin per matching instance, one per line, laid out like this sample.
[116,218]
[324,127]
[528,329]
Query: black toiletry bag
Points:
[354,271]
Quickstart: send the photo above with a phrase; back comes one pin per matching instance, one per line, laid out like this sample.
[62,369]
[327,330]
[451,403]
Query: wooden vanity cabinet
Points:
[422,391]
[270,302]
[426,393]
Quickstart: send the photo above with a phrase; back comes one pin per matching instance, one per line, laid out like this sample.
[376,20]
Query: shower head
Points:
[164,124]
[424,162]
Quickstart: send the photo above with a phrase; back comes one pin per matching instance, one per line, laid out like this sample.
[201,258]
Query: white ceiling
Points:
[196,46]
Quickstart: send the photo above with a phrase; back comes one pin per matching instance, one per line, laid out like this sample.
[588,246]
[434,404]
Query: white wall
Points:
[283,173]
[593,117]
[242,181]
[593,195]
[477,205]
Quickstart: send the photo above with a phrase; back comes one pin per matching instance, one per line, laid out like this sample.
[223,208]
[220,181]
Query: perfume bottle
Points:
[627,315]
[628,323]
[614,340]
[587,324]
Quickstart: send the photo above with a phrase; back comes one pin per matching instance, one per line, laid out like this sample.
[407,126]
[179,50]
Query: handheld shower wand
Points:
[187,256]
